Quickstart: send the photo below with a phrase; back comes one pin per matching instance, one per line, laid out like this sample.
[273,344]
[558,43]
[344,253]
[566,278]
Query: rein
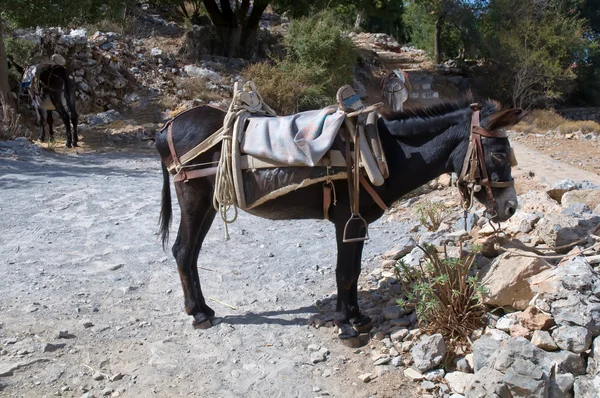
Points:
[474,176]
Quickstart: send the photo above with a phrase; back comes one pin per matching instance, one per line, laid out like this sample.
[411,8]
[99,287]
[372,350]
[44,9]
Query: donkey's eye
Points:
[499,157]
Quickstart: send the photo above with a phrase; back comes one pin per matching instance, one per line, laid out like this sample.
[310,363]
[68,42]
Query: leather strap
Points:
[174,158]
[326,200]
[371,191]
[191,174]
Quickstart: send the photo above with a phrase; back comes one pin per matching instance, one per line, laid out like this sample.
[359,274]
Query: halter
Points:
[474,175]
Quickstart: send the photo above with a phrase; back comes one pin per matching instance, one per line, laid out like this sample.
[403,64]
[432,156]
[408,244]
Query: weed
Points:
[446,298]
[584,126]
[431,215]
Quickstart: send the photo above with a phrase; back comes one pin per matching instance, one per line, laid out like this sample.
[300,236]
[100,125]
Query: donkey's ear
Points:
[506,118]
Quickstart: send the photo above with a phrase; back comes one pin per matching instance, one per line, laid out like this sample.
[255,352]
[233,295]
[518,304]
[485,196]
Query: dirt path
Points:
[547,169]
[78,248]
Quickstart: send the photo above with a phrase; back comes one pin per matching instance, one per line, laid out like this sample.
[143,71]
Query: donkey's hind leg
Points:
[41,118]
[64,115]
[50,121]
[197,214]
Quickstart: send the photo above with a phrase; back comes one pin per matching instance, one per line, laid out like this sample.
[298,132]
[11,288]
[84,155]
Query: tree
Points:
[4,86]
[236,23]
[532,45]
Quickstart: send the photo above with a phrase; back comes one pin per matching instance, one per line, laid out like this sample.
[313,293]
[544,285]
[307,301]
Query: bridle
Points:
[396,87]
[474,176]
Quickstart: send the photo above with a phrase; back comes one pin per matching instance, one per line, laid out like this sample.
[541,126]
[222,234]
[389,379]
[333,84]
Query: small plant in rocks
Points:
[431,214]
[446,298]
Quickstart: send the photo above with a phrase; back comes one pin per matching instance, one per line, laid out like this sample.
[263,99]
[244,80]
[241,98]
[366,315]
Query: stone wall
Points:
[584,113]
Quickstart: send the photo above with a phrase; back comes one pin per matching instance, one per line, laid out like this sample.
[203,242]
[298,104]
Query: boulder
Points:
[459,381]
[560,188]
[561,386]
[195,71]
[573,338]
[506,279]
[543,340]
[483,349]
[487,383]
[561,229]
[525,379]
[590,197]
[536,201]
[534,319]
[571,291]
[401,248]
[429,352]
[103,118]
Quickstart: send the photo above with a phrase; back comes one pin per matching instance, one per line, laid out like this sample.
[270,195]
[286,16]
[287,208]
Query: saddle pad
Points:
[298,140]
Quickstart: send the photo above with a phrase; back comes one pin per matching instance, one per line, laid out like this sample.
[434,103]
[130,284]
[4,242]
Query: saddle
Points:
[265,156]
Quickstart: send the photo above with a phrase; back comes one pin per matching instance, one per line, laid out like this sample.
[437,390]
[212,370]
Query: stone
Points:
[564,361]
[86,323]
[116,377]
[462,365]
[157,53]
[104,118]
[401,248]
[458,381]
[534,319]
[413,259]
[413,374]
[435,375]
[97,376]
[472,219]
[506,279]
[496,334]
[427,385]
[7,368]
[195,71]
[571,291]
[318,356]
[536,201]
[394,312]
[365,377]
[573,338]
[505,322]
[561,386]
[560,229]
[520,331]
[49,347]
[483,349]
[543,340]
[107,391]
[560,188]
[399,335]
[428,352]
[525,379]
[487,383]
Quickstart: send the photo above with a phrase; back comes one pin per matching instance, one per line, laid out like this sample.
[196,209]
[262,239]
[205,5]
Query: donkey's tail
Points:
[166,212]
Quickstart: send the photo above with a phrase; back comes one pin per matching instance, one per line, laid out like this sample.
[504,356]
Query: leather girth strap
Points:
[181,174]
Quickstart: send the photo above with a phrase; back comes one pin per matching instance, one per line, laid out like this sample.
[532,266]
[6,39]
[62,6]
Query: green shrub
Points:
[431,215]
[447,300]
[319,61]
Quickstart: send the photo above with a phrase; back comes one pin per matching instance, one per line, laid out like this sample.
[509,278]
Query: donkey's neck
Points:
[416,160]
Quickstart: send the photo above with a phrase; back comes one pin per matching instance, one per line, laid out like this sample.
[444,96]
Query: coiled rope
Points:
[246,101]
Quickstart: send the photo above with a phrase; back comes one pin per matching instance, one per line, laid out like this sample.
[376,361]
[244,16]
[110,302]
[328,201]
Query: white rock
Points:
[458,381]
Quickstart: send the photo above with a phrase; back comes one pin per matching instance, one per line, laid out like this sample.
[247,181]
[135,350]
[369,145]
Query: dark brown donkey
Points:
[419,145]
[50,89]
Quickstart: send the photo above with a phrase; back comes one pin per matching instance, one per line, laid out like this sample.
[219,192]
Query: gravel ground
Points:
[89,302]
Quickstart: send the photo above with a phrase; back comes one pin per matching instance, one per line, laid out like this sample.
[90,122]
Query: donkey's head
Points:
[485,173]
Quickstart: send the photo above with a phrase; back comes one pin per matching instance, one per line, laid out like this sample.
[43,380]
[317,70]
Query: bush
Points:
[540,121]
[431,215]
[319,61]
[584,126]
[317,43]
[447,300]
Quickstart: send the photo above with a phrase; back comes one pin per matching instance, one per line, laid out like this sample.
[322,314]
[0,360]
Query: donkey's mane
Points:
[434,119]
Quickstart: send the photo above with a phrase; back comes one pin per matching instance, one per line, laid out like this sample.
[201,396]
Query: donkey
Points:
[395,90]
[419,145]
[50,89]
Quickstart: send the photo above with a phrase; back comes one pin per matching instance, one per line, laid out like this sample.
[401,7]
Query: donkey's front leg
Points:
[347,278]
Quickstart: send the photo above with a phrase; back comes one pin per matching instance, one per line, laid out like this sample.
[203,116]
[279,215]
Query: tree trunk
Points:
[437,41]
[4,86]
[237,31]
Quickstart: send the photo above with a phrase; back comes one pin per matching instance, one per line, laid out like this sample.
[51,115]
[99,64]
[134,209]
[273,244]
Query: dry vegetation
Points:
[540,121]
[10,128]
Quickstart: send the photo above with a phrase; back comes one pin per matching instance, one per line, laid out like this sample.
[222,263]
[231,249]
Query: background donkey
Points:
[50,89]
[395,88]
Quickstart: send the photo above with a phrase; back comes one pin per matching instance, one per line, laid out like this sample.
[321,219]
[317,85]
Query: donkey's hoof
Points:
[362,323]
[69,145]
[201,321]
[42,139]
[346,332]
